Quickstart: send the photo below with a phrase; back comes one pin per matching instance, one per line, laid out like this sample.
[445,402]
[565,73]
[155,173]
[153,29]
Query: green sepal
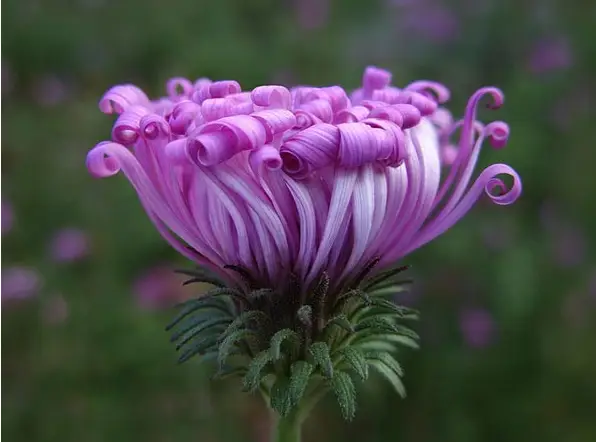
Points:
[201,346]
[281,400]
[345,393]
[389,368]
[243,319]
[226,346]
[383,277]
[193,305]
[340,320]
[279,338]
[254,374]
[300,376]
[320,354]
[201,327]
[355,360]
[200,276]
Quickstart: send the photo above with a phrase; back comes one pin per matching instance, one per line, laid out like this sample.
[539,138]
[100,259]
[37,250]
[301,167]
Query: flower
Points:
[7,217]
[20,283]
[296,199]
[549,55]
[68,245]
[303,180]
[477,327]
[157,287]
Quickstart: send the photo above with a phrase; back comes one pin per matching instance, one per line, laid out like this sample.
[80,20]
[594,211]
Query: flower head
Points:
[68,245]
[302,180]
[296,198]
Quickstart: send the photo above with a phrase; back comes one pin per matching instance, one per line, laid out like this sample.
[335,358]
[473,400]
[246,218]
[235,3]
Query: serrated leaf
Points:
[389,368]
[227,345]
[242,321]
[391,287]
[205,302]
[375,324]
[201,346]
[196,319]
[383,276]
[355,360]
[345,393]
[278,339]
[300,376]
[202,327]
[401,312]
[320,354]
[342,321]
[254,374]
[280,396]
[200,276]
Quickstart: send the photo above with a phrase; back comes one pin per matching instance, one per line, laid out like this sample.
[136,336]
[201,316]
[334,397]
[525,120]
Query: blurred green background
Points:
[508,296]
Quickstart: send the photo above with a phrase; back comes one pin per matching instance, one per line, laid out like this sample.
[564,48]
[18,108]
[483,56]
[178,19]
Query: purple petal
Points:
[20,283]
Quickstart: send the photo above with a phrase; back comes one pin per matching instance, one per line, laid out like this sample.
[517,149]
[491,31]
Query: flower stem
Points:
[288,428]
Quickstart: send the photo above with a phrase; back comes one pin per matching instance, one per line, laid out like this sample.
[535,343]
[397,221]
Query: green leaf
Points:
[201,346]
[355,360]
[391,287]
[280,396]
[255,374]
[389,368]
[345,392]
[200,275]
[300,375]
[196,319]
[400,311]
[278,339]
[243,319]
[320,354]
[203,327]
[226,346]
[383,276]
[342,321]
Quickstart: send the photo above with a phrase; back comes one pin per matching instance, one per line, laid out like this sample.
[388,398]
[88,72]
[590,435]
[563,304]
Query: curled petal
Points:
[266,156]
[127,126]
[201,91]
[220,140]
[440,93]
[388,95]
[319,108]
[309,150]
[153,126]
[183,115]
[425,105]
[397,147]
[337,97]
[300,94]
[352,115]
[178,88]
[497,133]
[375,78]
[362,144]
[178,153]
[220,89]
[389,113]
[275,121]
[215,108]
[118,98]
[272,97]
[305,119]
[410,115]
[99,161]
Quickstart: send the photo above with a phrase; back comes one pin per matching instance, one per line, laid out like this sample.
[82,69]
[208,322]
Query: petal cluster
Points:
[301,181]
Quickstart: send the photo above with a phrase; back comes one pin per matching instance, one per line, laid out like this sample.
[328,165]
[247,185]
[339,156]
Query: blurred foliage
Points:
[106,370]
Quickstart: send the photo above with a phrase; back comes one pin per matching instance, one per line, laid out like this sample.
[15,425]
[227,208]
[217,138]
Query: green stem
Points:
[288,428]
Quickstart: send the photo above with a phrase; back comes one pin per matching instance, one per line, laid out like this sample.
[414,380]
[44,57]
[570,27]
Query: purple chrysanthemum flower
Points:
[296,198]
[304,180]
[68,245]
[477,327]
[20,283]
